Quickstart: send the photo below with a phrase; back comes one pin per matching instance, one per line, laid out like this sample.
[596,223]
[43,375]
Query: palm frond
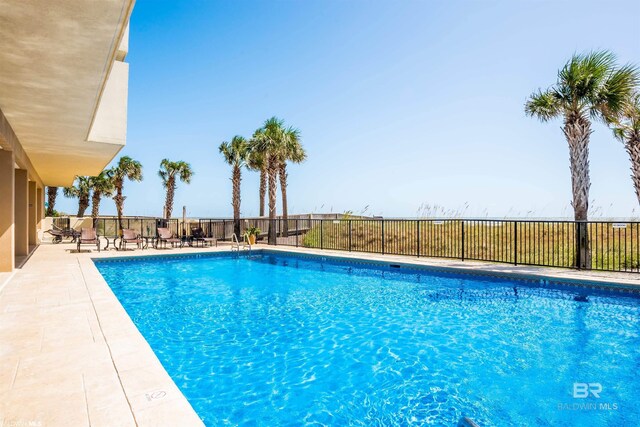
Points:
[589,85]
[225,150]
[185,172]
[543,105]
[169,170]
[615,93]
[626,125]
[619,133]
[584,74]
[239,151]
[70,192]
[81,187]
[102,183]
[127,168]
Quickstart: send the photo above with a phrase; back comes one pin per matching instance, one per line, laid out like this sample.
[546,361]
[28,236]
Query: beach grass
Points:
[613,246]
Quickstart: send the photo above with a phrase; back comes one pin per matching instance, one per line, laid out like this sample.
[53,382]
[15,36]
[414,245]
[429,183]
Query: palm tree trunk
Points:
[283,189]
[83,204]
[237,177]
[52,193]
[633,148]
[168,204]
[273,187]
[95,205]
[263,189]
[577,130]
[119,200]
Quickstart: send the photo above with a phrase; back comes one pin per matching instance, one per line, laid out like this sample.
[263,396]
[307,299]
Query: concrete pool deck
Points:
[70,354]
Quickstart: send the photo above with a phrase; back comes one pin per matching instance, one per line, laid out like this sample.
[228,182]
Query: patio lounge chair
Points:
[130,236]
[166,236]
[197,235]
[58,234]
[89,236]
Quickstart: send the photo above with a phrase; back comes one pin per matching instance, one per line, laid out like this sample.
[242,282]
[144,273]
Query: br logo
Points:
[582,390]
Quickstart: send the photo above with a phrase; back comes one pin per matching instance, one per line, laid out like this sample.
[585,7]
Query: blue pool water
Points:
[283,340]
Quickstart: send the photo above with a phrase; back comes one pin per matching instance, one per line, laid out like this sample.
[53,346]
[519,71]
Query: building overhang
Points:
[63,83]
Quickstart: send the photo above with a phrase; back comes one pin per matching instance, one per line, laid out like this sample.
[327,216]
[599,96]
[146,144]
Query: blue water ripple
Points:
[280,340]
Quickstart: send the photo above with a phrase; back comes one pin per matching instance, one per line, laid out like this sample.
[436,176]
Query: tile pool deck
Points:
[70,354]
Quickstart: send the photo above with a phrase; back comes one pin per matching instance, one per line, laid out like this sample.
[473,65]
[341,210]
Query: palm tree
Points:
[126,168]
[52,193]
[101,185]
[292,152]
[236,154]
[80,190]
[589,86]
[168,172]
[626,128]
[257,161]
[270,140]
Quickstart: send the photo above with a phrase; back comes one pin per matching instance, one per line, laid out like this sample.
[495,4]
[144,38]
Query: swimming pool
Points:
[281,339]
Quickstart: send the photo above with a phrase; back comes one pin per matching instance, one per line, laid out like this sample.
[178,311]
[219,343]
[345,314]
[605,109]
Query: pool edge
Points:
[530,274]
[153,396]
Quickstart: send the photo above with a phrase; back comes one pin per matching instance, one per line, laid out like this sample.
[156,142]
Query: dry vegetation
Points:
[530,242]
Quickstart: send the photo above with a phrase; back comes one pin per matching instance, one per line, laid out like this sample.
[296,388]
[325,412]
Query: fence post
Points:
[349,235]
[224,230]
[382,228]
[418,237]
[297,230]
[579,245]
[462,240]
[515,242]
[321,241]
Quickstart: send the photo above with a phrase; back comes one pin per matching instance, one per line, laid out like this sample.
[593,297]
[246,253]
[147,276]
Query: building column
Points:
[41,212]
[7,194]
[40,202]
[21,212]
[32,220]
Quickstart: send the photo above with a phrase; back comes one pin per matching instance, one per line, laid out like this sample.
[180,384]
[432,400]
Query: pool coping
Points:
[73,356]
[150,388]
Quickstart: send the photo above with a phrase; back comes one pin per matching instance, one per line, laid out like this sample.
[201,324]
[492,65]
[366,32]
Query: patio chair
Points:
[130,236]
[166,236]
[197,235]
[89,236]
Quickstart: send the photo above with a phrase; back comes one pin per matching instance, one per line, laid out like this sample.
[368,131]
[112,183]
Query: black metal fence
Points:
[223,228]
[594,245]
[109,226]
[144,226]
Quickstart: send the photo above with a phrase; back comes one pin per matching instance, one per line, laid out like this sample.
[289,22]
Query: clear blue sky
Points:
[400,104]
